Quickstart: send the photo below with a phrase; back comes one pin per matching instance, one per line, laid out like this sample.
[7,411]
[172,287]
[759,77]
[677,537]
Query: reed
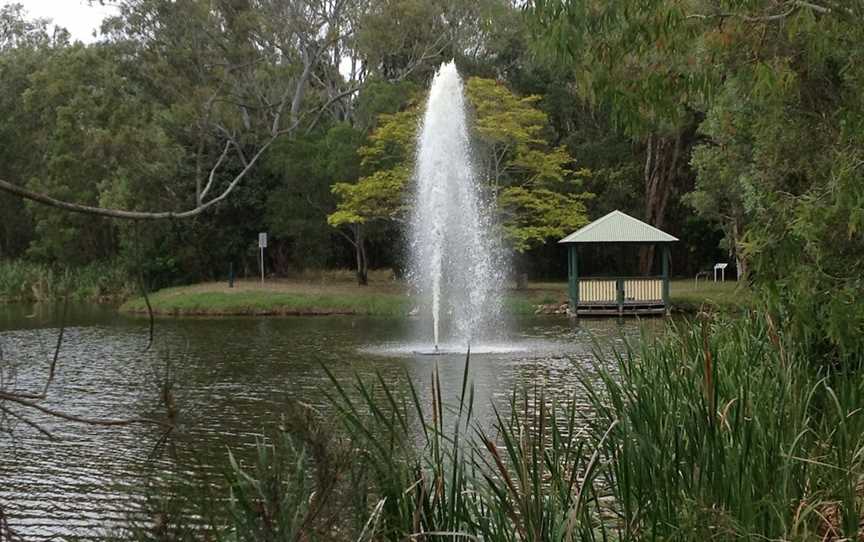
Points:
[22,281]
[727,431]
[437,473]
[722,430]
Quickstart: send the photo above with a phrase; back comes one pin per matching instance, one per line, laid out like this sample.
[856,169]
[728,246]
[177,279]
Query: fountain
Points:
[455,265]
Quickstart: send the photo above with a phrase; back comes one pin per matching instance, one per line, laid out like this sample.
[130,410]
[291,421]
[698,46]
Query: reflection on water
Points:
[233,378]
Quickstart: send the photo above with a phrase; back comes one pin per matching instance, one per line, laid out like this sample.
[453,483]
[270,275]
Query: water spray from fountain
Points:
[453,256]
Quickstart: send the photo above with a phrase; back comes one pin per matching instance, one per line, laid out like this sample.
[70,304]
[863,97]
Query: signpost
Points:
[262,244]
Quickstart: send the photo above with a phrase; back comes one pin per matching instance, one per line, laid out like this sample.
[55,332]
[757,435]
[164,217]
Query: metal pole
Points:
[262,265]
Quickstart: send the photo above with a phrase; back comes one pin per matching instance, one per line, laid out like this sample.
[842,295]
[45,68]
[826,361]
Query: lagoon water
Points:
[233,378]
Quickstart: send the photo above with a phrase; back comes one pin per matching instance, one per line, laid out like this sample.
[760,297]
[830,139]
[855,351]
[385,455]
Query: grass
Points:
[308,295]
[688,296]
[269,302]
[22,281]
[278,297]
[335,292]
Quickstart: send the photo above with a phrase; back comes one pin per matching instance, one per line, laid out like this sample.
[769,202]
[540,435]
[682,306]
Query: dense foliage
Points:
[763,102]
[736,126]
[174,100]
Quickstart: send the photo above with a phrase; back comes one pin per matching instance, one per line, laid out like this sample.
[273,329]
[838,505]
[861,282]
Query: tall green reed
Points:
[727,431]
[439,473]
[22,281]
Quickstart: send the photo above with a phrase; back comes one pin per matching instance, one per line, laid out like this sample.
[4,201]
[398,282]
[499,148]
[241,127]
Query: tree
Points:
[24,46]
[379,195]
[774,88]
[408,39]
[101,142]
[297,210]
[722,166]
[227,71]
[638,61]
[785,165]
[537,194]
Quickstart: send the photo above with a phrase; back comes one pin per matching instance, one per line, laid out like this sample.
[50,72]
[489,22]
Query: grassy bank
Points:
[22,281]
[336,294]
[283,298]
[382,297]
[688,296]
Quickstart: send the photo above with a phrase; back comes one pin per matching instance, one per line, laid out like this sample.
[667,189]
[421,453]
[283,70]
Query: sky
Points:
[77,16]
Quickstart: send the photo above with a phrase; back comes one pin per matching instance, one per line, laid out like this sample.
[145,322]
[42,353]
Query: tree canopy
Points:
[537,194]
[774,89]
[735,125]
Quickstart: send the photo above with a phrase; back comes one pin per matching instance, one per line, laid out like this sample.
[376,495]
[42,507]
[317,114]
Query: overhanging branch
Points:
[45,199]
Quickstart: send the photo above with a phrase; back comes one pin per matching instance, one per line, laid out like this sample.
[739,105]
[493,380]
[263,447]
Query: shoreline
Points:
[303,298]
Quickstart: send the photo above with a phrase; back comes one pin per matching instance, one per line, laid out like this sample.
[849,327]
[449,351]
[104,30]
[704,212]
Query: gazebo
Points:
[619,292]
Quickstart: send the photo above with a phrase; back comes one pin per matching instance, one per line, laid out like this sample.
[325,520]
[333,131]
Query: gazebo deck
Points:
[613,309]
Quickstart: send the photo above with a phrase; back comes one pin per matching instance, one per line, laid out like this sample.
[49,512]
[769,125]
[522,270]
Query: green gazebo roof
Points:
[617,227]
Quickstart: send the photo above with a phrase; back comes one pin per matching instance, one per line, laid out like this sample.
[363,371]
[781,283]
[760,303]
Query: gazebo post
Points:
[665,259]
[573,273]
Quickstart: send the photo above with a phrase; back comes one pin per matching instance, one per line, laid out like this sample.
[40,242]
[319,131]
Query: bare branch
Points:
[106,422]
[53,367]
[747,18]
[21,192]
[215,168]
[814,7]
[28,422]
[793,6]
[331,101]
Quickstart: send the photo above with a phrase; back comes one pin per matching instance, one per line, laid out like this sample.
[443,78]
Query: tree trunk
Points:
[662,168]
[520,270]
[521,280]
[300,89]
[740,262]
[360,253]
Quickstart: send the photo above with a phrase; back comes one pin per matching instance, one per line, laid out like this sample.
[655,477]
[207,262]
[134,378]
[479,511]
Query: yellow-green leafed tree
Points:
[379,195]
[537,192]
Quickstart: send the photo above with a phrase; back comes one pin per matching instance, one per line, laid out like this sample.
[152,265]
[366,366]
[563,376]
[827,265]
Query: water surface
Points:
[233,378]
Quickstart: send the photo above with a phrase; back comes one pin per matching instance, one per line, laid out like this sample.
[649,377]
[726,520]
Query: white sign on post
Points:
[262,244]
[722,268]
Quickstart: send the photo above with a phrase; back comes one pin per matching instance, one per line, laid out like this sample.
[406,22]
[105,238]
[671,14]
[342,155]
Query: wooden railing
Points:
[620,290]
[643,289]
[598,291]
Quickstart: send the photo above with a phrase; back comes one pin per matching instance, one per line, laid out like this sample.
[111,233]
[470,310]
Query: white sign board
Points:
[262,240]
[722,268]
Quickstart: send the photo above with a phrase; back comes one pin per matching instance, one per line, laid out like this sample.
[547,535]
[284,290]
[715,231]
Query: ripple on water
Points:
[233,378]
